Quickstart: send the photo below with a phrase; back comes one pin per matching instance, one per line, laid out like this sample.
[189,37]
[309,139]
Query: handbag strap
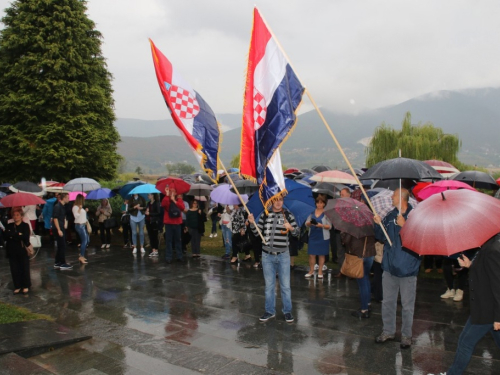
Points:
[364,247]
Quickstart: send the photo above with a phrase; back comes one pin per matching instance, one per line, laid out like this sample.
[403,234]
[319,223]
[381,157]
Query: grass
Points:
[13,314]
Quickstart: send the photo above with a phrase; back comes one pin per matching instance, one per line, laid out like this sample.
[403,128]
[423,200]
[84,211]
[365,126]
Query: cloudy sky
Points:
[350,54]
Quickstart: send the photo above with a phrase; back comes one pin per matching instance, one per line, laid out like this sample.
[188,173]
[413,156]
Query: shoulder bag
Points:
[353,265]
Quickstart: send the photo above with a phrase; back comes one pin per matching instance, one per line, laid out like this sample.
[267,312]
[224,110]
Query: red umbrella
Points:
[498,181]
[451,222]
[440,186]
[350,216]
[180,186]
[418,188]
[338,177]
[442,166]
[291,170]
[21,199]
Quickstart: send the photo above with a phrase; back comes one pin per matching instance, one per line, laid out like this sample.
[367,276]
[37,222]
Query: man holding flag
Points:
[272,96]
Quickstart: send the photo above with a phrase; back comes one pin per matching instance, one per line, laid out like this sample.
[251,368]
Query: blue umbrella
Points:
[125,189]
[299,201]
[144,189]
[102,193]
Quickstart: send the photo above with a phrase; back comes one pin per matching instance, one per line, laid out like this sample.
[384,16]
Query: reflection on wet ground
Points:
[147,317]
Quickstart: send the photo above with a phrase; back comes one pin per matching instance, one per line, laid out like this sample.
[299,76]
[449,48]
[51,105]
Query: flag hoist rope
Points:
[242,201]
[329,130]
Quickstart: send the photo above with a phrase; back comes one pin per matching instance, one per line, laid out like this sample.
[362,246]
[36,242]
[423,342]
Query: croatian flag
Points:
[273,94]
[192,115]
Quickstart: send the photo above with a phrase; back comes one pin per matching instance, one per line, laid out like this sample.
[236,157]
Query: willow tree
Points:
[421,142]
[56,105]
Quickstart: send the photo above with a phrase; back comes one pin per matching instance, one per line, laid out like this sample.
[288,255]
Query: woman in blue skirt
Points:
[319,237]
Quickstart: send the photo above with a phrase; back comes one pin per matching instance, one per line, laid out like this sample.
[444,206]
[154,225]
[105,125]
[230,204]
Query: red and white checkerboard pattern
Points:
[259,109]
[183,103]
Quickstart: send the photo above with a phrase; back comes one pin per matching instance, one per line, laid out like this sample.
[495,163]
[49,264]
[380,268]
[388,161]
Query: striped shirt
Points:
[274,230]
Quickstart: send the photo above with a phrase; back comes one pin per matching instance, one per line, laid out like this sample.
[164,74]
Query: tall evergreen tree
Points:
[420,142]
[56,105]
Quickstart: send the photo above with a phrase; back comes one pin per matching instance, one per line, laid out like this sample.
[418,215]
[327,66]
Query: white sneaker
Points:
[103,246]
[325,268]
[134,251]
[450,293]
[215,234]
[316,267]
[459,295]
[142,250]
[108,246]
[211,235]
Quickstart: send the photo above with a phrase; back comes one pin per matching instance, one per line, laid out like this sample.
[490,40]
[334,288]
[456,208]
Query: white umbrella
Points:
[82,184]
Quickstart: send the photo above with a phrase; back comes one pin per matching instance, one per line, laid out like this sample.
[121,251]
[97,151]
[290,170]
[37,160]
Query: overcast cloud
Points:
[350,54]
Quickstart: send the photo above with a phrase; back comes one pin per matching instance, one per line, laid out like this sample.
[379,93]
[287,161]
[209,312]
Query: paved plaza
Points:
[201,316]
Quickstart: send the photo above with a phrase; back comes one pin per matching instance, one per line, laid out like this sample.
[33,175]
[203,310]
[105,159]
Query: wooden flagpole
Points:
[329,130]
[241,200]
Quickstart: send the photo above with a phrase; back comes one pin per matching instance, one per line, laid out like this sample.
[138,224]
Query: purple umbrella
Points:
[223,195]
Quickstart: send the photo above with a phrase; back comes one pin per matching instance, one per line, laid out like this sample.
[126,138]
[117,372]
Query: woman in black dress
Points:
[17,235]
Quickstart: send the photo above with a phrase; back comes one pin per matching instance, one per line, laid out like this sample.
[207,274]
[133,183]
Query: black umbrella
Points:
[321,168]
[477,179]
[402,168]
[245,187]
[358,171]
[327,188]
[26,187]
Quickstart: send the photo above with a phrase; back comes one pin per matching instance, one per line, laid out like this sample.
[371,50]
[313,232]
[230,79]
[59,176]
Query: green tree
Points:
[56,105]
[421,142]
[138,170]
[180,168]
[235,161]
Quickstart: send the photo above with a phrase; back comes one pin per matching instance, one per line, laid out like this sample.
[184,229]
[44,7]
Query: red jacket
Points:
[165,203]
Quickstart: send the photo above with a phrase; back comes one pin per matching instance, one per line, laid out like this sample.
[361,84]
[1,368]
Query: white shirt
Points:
[225,218]
[30,212]
[80,218]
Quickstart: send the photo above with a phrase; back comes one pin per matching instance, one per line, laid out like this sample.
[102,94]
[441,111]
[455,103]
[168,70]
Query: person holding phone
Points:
[319,237]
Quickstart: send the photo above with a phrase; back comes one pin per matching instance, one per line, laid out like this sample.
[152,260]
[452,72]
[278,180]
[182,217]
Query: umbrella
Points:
[245,187]
[350,216]
[26,187]
[321,168]
[205,178]
[299,201]
[402,168]
[102,193]
[440,186]
[305,177]
[335,177]
[291,170]
[477,179]
[21,199]
[418,188]
[223,195]
[82,184]
[451,222]
[394,184]
[498,181]
[180,186]
[200,190]
[48,183]
[331,190]
[144,189]
[358,171]
[233,170]
[5,185]
[382,202]
[2,194]
[74,194]
[125,189]
[444,168]
[308,171]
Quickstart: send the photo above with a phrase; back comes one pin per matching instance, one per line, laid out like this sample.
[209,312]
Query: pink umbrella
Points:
[74,194]
[439,186]
[338,177]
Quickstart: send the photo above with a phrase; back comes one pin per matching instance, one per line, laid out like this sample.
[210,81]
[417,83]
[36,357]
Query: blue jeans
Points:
[173,232]
[134,225]
[467,341]
[228,238]
[364,283]
[81,229]
[272,264]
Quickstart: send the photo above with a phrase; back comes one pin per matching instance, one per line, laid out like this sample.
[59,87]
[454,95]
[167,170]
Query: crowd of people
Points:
[389,270]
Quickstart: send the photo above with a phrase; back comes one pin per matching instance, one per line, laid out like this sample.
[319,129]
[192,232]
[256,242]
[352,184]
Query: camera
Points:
[314,222]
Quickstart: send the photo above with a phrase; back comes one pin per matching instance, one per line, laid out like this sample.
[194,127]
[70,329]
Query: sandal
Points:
[17,291]
[308,275]
[256,265]
[26,291]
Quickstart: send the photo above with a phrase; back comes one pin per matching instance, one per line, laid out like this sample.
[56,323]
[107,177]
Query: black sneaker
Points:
[289,318]
[361,315]
[57,266]
[266,317]
[65,266]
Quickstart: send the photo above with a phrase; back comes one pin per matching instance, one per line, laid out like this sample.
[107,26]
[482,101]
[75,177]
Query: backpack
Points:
[173,211]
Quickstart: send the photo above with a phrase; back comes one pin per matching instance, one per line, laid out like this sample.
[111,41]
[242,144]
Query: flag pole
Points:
[328,128]
[241,199]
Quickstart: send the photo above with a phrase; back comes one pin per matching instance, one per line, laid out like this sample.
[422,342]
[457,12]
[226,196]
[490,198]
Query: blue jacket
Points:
[397,260]
[48,208]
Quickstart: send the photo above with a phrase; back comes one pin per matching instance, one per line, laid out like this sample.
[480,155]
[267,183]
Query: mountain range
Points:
[473,115]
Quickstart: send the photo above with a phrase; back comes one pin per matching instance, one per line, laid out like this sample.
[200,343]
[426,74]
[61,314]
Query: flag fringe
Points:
[271,200]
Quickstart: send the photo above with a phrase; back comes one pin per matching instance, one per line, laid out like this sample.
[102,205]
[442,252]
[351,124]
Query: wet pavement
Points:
[201,316]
